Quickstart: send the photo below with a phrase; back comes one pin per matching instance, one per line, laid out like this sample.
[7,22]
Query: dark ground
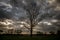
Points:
[27,37]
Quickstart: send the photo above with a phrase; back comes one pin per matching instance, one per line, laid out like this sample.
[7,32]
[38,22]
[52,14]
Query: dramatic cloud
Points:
[14,16]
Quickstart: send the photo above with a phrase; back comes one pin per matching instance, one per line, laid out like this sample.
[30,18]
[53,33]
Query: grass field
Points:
[19,37]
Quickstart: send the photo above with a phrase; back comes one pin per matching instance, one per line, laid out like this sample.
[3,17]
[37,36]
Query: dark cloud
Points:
[11,12]
[17,12]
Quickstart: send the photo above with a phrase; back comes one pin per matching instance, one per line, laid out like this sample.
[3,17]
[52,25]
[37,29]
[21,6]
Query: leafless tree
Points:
[32,11]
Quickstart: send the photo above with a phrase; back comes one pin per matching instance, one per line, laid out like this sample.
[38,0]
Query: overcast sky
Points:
[9,11]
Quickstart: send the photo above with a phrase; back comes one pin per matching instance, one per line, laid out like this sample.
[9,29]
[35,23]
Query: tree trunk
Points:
[31,31]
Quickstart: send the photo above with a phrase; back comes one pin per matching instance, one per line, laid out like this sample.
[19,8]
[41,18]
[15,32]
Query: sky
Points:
[12,15]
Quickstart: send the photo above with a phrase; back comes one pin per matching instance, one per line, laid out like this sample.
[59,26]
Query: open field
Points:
[20,37]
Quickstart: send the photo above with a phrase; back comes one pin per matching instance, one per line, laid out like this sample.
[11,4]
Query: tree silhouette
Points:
[32,11]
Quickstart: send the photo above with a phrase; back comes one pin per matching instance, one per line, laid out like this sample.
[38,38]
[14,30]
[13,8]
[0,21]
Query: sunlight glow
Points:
[2,23]
[39,22]
[22,22]
[8,27]
[25,23]
[47,23]
[51,1]
[21,25]
[7,22]
[54,20]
